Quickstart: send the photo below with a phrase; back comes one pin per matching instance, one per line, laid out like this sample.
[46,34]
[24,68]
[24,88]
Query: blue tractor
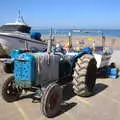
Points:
[46,72]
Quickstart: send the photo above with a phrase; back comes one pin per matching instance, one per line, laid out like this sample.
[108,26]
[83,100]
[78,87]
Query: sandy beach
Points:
[88,40]
[109,41]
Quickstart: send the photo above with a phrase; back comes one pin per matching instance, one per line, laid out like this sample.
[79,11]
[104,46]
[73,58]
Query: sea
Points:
[79,32]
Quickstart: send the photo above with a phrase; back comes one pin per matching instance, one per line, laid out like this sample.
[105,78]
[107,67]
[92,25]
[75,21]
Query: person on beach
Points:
[68,44]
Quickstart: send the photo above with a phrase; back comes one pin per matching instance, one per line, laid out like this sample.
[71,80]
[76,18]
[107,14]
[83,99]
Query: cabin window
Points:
[21,28]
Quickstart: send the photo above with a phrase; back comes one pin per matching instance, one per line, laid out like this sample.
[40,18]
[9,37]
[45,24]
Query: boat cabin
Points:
[12,27]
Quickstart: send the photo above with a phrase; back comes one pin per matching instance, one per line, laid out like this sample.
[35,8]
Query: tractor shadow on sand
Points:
[64,106]
[99,87]
[68,94]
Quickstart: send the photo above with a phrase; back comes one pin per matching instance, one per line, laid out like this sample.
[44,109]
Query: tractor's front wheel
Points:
[9,92]
[84,76]
[51,99]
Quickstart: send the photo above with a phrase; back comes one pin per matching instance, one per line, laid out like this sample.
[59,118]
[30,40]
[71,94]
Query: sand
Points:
[116,58]
[109,41]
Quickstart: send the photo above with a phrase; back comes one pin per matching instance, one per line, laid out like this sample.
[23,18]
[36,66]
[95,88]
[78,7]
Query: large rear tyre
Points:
[9,92]
[51,99]
[84,76]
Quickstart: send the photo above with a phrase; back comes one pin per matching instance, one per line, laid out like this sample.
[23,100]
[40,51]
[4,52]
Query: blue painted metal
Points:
[112,72]
[15,53]
[86,50]
[36,35]
[24,69]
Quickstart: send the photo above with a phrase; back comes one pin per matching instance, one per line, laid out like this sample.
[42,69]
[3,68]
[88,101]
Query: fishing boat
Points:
[17,35]
[102,56]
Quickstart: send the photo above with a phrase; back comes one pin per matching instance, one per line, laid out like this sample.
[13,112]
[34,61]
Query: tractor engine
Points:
[39,69]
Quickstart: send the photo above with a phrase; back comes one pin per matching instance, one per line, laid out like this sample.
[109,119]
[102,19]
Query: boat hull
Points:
[102,59]
[9,42]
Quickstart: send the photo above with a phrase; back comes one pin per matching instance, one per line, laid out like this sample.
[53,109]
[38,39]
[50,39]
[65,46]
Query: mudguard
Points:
[86,50]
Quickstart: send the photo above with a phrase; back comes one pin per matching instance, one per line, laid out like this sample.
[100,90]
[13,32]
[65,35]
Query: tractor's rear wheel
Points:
[84,76]
[51,99]
[9,92]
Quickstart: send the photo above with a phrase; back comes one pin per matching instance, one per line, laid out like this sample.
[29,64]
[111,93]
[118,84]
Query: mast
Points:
[50,41]
[20,18]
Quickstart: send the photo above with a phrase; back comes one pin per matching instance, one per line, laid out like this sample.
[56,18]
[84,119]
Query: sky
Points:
[63,13]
